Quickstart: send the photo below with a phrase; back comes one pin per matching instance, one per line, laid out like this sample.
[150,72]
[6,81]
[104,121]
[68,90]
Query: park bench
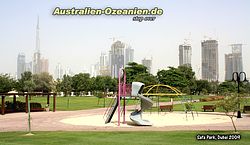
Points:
[208,107]
[246,108]
[166,107]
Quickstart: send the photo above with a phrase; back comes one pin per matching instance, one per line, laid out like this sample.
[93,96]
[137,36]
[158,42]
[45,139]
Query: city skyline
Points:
[77,41]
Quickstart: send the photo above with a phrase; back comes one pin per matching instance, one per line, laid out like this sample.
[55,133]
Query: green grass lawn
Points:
[178,98]
[72,103]
[81,103]
[198,106]
[118,138]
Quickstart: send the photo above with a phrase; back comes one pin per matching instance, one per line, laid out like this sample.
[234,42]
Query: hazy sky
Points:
[77,41]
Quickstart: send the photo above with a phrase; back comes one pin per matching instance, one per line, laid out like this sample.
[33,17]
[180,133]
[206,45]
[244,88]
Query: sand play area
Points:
[92,120]
[161,119]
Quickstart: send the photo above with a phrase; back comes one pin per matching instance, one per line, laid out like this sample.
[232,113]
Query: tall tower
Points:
[129,54]
[210,63]
[37,54]
[148,64]
[116,58]
[233,61]
[185,53]
[104,65]
[20,65]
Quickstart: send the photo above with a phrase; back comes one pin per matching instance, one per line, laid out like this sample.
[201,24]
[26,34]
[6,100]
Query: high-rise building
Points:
[28,66]
[58,72]
[129,55]
[95,70]
[44,65]
[37,54]
[233,61]
[69,72]
[20,65]
[210,64]
[104,65]
[148,64]
[39,64]
[185,53]
[116,55]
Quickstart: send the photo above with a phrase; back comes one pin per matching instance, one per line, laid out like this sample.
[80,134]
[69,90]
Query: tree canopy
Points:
[6,83]
[139,72]
[181,77]
[43,82]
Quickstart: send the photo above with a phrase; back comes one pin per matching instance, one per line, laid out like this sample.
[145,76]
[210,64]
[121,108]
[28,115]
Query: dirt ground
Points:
[92,120]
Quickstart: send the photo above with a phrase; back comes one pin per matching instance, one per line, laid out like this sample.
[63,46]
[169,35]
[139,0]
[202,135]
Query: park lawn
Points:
[119,138]
[72,103]
[198,106]
[66,103]
[178,98]
[85,102]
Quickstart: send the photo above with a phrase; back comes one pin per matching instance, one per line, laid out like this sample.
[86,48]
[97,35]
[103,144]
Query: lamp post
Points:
[239,77]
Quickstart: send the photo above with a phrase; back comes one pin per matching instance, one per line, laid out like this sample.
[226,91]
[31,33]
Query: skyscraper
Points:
[95,70]
[104,65]
[37,54]
[233,61]
[185,53]
[58,72]
[210,64]
[20,65]
[129,54]
[116,55]
[28,66]
[44,65]
[148,64]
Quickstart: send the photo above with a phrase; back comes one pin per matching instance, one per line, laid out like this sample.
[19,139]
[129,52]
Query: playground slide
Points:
[111,112]
[136,116]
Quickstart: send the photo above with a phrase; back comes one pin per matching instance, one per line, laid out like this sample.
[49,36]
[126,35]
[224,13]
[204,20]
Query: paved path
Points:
[50,121]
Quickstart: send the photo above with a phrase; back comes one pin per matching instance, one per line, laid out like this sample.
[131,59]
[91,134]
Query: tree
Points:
[181,77]
[81,82]
[227,87]
[43,82]
[104,83]
[25,84]
[58,85]
[66,85]
[6,83]
[133,70]
[245,87]
[202,86]
[146,78]
[230,107]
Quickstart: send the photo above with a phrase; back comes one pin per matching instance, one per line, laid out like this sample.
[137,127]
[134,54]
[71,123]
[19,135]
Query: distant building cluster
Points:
[119,55]
[60,71]
[38,64]
[210,59]
[109,64]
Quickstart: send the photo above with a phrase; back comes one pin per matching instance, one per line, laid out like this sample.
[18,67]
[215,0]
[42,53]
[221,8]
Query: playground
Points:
[134,111]
[122,116]
[92,120]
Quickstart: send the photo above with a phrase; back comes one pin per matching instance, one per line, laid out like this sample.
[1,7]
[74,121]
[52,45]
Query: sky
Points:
[77,41]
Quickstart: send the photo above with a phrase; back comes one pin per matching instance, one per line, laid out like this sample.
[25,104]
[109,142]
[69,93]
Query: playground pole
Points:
[29,124]
[124,93]
[119,96]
